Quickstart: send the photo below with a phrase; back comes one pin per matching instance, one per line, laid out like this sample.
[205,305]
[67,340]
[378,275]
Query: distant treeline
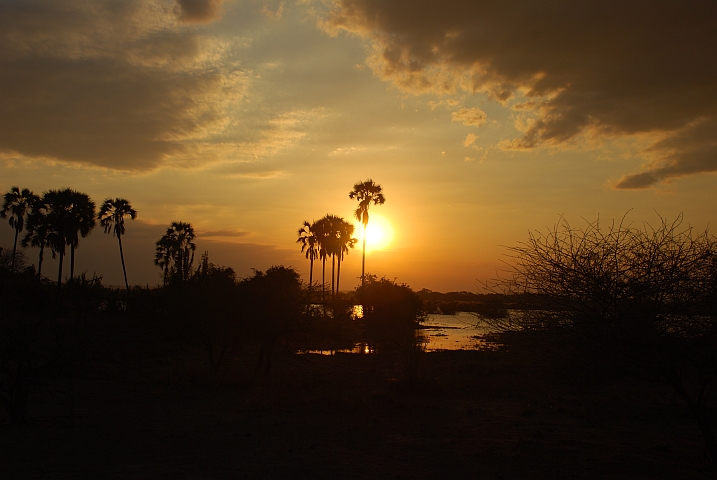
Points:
[491,305]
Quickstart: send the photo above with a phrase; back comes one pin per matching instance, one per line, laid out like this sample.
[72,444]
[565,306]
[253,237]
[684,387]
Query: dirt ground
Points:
[489,414]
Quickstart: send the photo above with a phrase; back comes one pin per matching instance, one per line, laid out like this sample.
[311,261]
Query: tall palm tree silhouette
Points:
[39,231]
[79,220]
[111,218]
[332,247]
[366,193]
[322,230]
[57,205]
[309,243]
[175,251]
[344,242]
[17,204]
[163,256]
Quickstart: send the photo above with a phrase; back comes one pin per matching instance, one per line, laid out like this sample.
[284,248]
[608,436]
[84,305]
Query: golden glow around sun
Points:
[379,233]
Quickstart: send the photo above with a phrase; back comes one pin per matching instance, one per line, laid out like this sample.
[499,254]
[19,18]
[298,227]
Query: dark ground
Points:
[492,414]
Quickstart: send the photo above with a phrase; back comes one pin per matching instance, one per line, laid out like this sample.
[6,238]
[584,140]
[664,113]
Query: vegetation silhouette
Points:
[111,217]
[322,230]
[174,252]
[613,299]
[69,216]
[40,233]
[18,205]
[309,241]
[344,243]
[645,295]
[392,313]
[80,221]
[366,193]
[273,304]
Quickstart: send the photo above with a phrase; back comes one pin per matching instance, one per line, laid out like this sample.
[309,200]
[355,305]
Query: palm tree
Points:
[111,218]
[38,231]
[17,204]
[366,193]
[309,242]
[56,205]
[322,230]
[331,244]
[163,256]
[175,251]
[344,243]
[81,221]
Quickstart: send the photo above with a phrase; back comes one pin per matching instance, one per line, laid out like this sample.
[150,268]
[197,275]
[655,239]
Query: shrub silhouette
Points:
[647,295]
[273,303]
[391,313]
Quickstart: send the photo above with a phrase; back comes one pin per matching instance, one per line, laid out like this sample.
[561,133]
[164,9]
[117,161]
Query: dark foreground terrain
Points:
[507,413]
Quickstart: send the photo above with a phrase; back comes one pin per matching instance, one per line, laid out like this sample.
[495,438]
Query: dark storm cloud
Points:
[596,68]
[199,11]
[117,84]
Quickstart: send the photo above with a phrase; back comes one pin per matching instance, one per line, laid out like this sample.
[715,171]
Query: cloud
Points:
[577,70]
[223,233]
[686,152]
[470,140]
[199,11]
[347,151]
[470,116]
[116,84]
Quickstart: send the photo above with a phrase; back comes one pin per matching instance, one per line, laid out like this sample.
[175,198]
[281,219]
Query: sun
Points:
[379,233]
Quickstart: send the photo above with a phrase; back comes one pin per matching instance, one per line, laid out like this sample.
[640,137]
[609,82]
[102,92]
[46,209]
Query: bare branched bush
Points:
[647,294]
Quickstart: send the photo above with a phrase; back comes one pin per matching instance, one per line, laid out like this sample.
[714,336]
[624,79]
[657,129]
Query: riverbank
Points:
[464,414]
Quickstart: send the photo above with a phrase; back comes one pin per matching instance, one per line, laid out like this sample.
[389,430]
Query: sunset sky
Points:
[482,120]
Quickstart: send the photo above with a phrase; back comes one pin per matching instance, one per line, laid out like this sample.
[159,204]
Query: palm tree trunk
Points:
[59,273]
[323,285]
[363,261]
[14,249]
[39,263]
[333,268]
[311,276]
[338,274]
[124,270]
[72,262]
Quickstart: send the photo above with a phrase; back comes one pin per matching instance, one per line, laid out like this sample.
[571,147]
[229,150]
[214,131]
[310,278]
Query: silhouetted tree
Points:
[344,242]
[648,295]
[56,205]
[331,244]
[208,311]
[17,204]
[81,220]
[366,193]
[111,218]
[322,230]
[175,252]
[274,304]
[309,243]
[39,231]
[391,313]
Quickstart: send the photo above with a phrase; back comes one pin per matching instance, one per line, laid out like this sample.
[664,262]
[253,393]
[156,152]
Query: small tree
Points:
[391,313]
[274,305]
[646,294]
[111,217]
[18,205]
